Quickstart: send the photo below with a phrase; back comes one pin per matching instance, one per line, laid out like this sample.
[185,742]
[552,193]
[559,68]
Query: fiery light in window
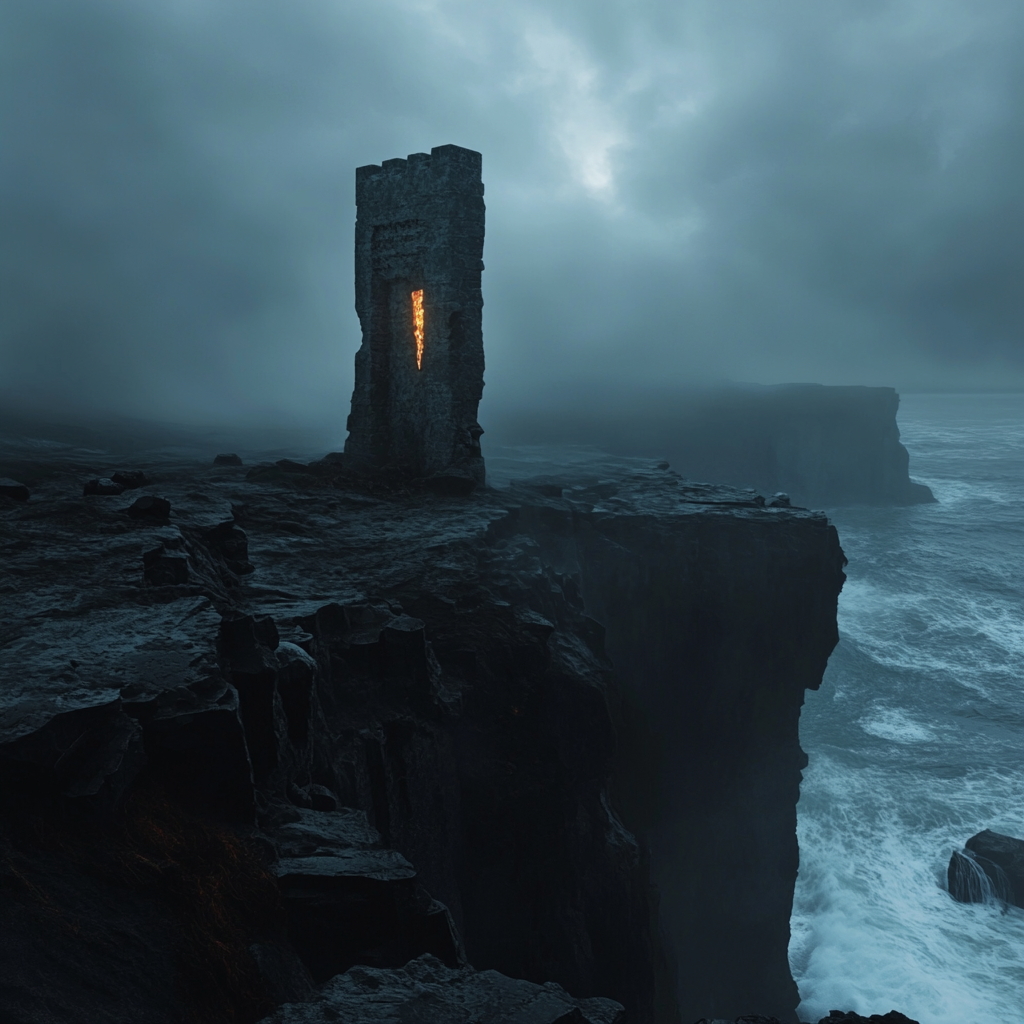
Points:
[417,325]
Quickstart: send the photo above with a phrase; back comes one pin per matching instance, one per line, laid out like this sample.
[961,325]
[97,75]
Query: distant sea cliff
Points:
[823,446]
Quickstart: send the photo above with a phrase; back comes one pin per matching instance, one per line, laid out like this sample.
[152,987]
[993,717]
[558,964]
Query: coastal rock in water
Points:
[991,867]
[428,992]
[227,459]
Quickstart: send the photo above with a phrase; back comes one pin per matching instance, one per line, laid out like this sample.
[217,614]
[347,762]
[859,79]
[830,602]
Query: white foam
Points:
[895,725]
[873,927]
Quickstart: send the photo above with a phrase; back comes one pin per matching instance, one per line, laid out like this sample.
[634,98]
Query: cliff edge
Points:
[277,725]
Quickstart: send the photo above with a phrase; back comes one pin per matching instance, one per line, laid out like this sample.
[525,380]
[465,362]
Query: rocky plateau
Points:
[280,744]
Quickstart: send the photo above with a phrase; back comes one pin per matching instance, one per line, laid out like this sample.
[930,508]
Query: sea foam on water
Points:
[916,738]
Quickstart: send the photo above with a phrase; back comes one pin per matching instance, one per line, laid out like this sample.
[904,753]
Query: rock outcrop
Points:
[322,727]
[990,869]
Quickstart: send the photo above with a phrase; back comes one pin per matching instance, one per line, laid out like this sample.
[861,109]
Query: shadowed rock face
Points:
[419,231]
[403,707]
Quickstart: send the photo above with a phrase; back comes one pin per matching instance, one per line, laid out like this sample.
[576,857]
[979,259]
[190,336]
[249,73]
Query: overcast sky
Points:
[677,192]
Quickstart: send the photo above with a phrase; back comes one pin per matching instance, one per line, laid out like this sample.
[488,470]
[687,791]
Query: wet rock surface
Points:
[990,869]
[392,716]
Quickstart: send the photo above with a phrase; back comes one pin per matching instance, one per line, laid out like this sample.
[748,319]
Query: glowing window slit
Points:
[417,325]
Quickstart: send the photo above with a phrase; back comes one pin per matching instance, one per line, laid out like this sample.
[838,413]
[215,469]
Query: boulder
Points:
[428,992]
[227,459]
[149,506]
[13,490]
[103,485]
[130,478]
[321,798]
[230,542]
[991,867]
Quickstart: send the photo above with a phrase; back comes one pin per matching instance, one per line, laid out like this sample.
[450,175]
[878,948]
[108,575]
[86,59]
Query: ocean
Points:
[916,737]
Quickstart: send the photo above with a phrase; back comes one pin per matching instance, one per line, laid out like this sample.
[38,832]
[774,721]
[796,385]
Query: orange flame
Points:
[417,325]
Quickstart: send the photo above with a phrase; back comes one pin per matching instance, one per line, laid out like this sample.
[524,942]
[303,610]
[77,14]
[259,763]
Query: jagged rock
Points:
[313,833]
[429,992]
[102,486]
[361,906]
[321,798]
[455,696]
[299,796]
[13,490]
[296,676]
[149,506]
[227,459]
[779,500]
[93,751]
[991,868]
[230,542]
[196,744]
[130,478]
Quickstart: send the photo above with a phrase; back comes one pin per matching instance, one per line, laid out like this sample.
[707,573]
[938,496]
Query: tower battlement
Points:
[419,370]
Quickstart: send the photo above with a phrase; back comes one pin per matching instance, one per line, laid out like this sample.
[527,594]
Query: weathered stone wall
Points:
[420,225]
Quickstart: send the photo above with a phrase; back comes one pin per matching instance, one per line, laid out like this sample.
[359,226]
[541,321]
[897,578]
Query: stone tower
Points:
[420,369]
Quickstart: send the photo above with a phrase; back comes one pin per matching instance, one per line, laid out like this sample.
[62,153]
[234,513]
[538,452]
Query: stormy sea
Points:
[916,737]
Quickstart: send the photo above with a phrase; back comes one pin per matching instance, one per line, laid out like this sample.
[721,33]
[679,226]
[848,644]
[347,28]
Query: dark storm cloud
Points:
[676,192]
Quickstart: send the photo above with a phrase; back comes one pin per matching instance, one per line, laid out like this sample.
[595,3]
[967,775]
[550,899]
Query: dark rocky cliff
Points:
[821,445]
[473,728]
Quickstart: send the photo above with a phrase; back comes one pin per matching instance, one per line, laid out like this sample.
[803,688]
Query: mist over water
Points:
[915,737]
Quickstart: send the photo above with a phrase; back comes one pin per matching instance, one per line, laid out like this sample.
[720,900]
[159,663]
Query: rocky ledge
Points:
[277,742]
